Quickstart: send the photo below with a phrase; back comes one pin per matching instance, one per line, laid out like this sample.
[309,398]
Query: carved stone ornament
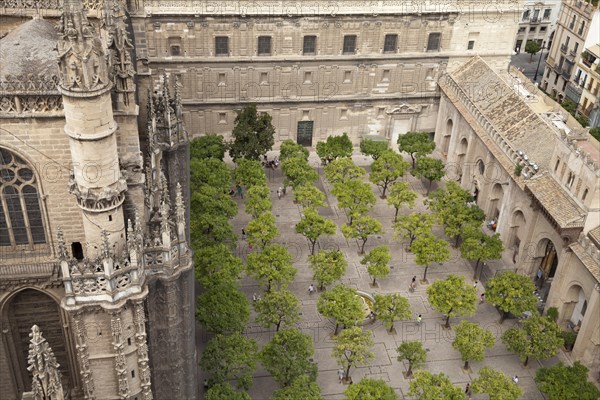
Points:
[45,383]
[81,59]
[404,109]
[120,48]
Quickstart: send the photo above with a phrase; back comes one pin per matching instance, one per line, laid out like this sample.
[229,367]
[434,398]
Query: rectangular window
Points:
[264,77]
[307,77]
[221,46]
[343,114]
[347,76]
[385,76]
[522,29]
[349,44]
[581,28]
[222,79]
[310,45]
[572,24]
[470,45]
[547,13]
[526,15]
[433,41]
[543,29]
[264,45]
[222,118]
[390,44]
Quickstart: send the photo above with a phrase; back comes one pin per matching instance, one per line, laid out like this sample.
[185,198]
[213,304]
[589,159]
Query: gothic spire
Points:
[46,384]
[62,247]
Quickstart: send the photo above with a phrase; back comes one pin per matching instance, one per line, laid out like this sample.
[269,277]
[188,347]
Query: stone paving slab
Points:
[441,356]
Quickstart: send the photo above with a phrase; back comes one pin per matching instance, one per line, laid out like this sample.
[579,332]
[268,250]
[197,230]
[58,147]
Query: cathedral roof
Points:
[506,111]
[29,49]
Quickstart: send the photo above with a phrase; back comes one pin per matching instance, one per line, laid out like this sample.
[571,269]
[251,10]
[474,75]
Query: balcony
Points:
[564,48]
[535,21]
[566,74]
[573,53]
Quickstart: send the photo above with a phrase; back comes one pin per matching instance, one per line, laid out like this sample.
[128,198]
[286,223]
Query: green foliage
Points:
[429,168]
[387,169]
[229,357]
[377,262]
[343,170]
[276,308]
[342,304]
[452,297]
[414,353]
[355,197]
[454,209]
[391,307]
[373,148]
[208,146]
[328,266]
[208,201]
[249,173]
[362,227]
[309,196]
[289,149]
[427,386]
[477,246]
[552,313]
[538,337]
[312,226]
[595,132]
[413,225]
[353,347]
[214,265]
[532,47]
[511,293]
[208,230]
[518,169]
[302,388]
[258,200]
[335,147]
[471,341]
[223,309]
[210,171]
[262,230]
[401,194]
[287,356]
[561,382]
[271,266]
[222,391]
[370,389]
[497,385]
[569,339]
[416,144]
[298,172]
[428,249]
[253,134]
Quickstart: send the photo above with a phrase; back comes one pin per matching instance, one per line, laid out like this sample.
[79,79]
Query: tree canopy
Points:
[353,347]
[309,196]
[262,229]
[452,297]
[222,391]
[532,47]
[328,266]
[377,262]
[312,226]
[343,170]
[335,147]
[471,341]
[289,149]
[427,386]
[387,169]
[497,385]
[511,293]
[414,353]
[249,173]
[215,264]
[477,246]
[429,168]
[416,144]
[209,171]
[272,266]
[343,304]
[223,309]
[287,356]
[370,389]
[401,194]
[298,172]
[355,197]
[361,228]
[277,308]
[373,148]
[428,249]
[230,357]
[561,382]
[208,146]
[253,134]
[302,388]
[413,225]
[258,200]
[538,337]
[391,307]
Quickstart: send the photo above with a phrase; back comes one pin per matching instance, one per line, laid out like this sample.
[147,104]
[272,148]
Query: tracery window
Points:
[21,222]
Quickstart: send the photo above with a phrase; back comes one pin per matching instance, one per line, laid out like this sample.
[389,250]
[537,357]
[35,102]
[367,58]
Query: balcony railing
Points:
[566,74]
[564,48]
[573,53]
[535,20]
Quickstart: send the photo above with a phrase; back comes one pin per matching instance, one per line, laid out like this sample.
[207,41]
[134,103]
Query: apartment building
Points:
[537,23]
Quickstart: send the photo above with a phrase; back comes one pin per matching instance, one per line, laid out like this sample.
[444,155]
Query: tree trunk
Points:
[278,325]
[374,280]
[350,220]
[476,266]
[396,215]
[337,325]
[269,287]
[412,239]
[429,187]
[392,327]
[384,189]
[362,249]
[466,367]
[526,361]
[413,160]
[347,371]
[425,274]
[456,239]
[409,372]
[502,316]
[448,319]
[312,249]
[321,287]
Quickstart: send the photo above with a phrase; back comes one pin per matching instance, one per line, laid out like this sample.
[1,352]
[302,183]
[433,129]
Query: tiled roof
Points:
[594,234]
[514,120]
[556,201]
[587,260]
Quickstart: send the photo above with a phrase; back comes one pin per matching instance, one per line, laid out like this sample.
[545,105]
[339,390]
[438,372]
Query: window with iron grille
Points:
[264,45]
[20,211]
[433,42]
[221,46]
[390,44]
[310,45]
[349,44]
[470,45]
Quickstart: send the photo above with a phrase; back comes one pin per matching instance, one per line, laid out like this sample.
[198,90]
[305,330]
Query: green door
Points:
[305,133]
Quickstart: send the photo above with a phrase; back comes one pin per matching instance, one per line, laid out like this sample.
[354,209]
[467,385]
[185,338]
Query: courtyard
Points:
[436,339]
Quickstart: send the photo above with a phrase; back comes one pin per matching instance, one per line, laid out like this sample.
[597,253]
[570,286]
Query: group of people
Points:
[270,164]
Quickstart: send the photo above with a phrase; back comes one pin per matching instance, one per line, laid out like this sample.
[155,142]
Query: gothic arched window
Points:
[20,210]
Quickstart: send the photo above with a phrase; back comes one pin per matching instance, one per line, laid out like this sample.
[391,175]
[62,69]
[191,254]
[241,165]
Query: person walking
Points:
[243,234]
[279,192]
[413,284]
[468,391]
[419,319]
[482,298]
[311,289]
[516,379]
[340,375]
[239,191]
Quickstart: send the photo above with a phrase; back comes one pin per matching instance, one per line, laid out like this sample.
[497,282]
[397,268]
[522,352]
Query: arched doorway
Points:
[462,153]
[20,313]
[447,136]
[495,201]
[517,223]
[575,306]
[547,254]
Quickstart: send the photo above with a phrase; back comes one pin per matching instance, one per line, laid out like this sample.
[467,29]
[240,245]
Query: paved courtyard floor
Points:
[437,340]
